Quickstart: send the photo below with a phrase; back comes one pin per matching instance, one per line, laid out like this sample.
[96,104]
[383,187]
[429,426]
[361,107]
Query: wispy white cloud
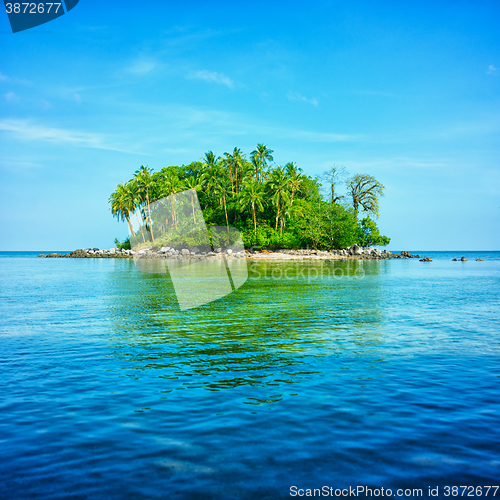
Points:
[142,66]
[5,78]
[212,76]
[312,136]
[188,124]
[295,96]
[17,165]
[78,99]
[26,130]
[491,70]
[11,97]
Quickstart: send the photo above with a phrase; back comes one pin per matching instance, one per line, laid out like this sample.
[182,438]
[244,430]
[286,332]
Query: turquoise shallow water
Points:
[384,374]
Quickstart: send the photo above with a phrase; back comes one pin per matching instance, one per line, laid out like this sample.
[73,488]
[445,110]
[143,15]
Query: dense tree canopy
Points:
[273,206]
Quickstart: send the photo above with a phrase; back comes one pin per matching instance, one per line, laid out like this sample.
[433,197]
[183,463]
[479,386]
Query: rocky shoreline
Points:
[354,252]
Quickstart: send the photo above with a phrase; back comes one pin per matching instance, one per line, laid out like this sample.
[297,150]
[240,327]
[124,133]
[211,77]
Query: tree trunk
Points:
[174,218]
[277,214]
[149,216]
[131,228]
[140,226]
[225,211]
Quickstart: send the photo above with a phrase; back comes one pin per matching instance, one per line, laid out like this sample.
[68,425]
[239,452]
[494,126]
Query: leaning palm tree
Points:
[121,207]
[135,200]
[252,196]
[262,154]
[145,182]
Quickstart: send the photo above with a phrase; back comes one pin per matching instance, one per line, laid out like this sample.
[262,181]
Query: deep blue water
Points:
[383,374]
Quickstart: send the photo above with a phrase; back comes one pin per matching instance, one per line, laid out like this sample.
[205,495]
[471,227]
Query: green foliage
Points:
[327,226]
[260,239]
[369,235]
[124,245]
[273,206]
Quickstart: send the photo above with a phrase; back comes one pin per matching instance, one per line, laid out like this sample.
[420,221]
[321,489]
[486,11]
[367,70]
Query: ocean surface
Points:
[377,374]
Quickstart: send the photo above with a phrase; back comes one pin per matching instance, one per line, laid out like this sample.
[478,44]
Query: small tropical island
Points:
[273,206]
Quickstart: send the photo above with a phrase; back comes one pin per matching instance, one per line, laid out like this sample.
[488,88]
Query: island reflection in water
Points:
[289,321]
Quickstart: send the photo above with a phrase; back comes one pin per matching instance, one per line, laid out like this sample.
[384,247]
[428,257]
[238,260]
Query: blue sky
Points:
[406,92]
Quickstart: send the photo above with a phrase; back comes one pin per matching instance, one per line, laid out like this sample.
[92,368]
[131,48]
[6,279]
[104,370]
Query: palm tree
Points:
[238,165]
[135,199]
[278,186]
[171,186]
[215,181]
[257,166]
[234,165]
[145,183]
[212,167]
[122,204]
[289,211]
[252,196]
[218,185]
[260,155]
[210,160]
[194,184]
[295,180]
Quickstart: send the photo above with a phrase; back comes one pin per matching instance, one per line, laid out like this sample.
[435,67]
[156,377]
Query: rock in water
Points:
[426,259]
[479,260]
[463,259]
[454,260]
